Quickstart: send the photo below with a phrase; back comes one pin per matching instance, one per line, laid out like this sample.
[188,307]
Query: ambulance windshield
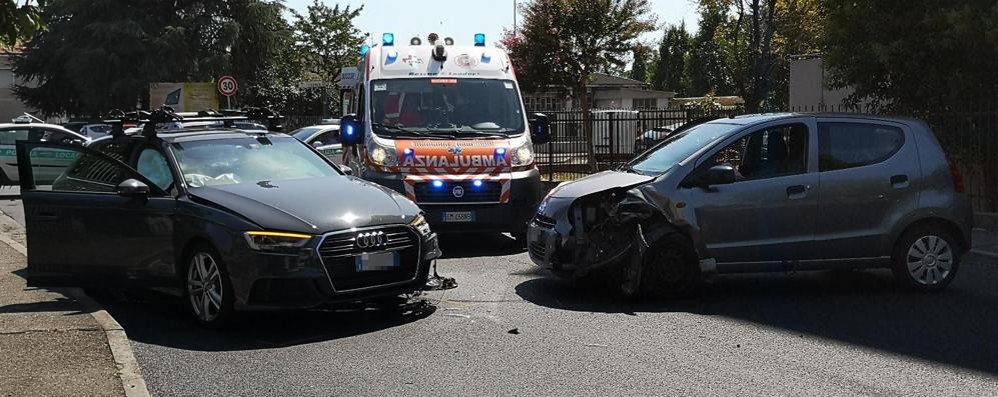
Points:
[446,108]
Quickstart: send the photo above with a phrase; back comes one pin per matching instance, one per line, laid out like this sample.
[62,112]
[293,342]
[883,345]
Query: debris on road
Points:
[457,315]
[438,283]
[514,331]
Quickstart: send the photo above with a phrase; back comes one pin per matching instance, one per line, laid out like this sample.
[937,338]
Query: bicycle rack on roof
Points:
[165,114]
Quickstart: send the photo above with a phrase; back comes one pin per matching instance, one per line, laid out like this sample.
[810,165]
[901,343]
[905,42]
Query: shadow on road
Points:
[473,245]
[954,327]
[159,319]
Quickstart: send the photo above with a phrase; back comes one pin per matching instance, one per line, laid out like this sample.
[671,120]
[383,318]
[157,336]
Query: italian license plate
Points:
[376,261]
[459,217]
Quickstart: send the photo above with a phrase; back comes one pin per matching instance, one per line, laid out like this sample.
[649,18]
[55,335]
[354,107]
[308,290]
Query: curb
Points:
[121,350]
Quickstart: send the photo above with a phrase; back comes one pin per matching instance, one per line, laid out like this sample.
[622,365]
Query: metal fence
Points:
[969,135]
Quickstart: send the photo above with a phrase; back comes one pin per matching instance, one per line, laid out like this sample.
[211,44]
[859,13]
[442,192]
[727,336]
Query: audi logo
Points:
[371,239]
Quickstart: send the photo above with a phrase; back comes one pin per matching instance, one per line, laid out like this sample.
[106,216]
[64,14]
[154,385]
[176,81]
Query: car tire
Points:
[211,304]
[671,268]
[925,259]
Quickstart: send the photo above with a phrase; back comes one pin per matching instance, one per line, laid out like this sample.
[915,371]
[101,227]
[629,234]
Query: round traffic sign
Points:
[227,86]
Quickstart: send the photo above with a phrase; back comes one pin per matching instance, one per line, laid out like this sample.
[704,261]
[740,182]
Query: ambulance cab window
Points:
[446,108]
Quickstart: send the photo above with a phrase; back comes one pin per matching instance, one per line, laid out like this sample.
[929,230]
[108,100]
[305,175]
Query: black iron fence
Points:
[968,134]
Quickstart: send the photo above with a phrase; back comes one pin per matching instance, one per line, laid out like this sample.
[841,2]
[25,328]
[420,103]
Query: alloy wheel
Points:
[930,260]
[204,287]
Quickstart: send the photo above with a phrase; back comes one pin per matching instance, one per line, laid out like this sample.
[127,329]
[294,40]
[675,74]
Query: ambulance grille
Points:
[488,193]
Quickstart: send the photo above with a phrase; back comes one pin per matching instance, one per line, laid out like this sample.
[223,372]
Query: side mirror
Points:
[132,188]
[351,131]
[316,143]
[717,175]
[346,169]
[540,129]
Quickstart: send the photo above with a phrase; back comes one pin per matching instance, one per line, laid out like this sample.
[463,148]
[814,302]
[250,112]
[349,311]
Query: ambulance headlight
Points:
[523,155]
[383,156]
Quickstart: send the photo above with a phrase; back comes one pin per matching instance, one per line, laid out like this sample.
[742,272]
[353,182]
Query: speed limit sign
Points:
[227,86]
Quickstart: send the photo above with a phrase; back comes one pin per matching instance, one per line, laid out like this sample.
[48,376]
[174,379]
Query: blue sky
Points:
[461,19]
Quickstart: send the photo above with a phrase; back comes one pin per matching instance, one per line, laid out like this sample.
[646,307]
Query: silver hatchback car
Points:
[763,193]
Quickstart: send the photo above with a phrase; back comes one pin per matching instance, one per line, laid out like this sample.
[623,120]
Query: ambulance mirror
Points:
[352,131]
[540,129]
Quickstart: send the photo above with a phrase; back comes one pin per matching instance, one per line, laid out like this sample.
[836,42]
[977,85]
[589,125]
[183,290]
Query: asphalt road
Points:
[511,330]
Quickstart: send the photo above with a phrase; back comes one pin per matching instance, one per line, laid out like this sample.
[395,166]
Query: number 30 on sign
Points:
[227,86]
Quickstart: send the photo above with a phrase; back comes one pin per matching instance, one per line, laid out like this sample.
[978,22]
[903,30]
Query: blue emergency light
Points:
[408,152]
[388,39]
[438,184]
[479,39]
[500,152]
[477,183]
[364,49]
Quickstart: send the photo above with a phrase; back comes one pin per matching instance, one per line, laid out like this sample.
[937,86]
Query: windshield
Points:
[446,108]
[247,160]
[679,147]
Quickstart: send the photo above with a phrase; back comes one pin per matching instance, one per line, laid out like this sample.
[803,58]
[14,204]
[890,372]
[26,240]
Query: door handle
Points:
[797,191]
[900,181]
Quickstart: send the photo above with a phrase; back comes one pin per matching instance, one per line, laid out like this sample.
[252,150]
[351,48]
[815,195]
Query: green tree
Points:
[639,64]
[705,69]
[670,67]
[561,43]
[913,55]
[18,23]
[102,54]
[327,39]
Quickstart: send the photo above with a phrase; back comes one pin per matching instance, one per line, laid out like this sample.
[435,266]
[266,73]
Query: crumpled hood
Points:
[599,182]
[315,206]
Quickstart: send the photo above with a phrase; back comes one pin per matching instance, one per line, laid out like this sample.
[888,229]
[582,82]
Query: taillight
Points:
[954,171]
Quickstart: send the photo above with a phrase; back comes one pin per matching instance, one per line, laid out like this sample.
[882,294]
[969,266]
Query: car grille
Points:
[489,192]
[339,250]
[544,222]
[537,250]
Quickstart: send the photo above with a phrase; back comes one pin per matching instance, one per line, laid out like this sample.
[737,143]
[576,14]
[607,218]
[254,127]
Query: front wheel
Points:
[925,259]
[671,268]
[208,289]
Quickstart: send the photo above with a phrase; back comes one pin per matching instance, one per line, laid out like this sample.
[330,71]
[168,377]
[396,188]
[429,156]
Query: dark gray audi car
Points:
[778,192]
[242,220]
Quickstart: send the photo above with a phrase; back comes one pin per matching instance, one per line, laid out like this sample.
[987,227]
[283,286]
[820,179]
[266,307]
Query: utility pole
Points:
[514,18]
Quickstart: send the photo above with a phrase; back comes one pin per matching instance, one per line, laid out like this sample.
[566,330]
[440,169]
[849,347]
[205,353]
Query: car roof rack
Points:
[166,114]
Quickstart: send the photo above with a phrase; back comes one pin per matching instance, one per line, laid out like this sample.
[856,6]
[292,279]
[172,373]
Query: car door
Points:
[866,171]
[767,215]
[8,154]
[328,143]
[84,224]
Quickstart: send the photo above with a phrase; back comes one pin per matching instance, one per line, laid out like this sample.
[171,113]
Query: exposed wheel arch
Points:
[945,224]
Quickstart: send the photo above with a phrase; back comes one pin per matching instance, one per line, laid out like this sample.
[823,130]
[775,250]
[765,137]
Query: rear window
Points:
[850,145]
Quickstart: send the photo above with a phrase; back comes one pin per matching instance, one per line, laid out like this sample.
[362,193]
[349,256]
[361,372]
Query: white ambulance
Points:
[445,126]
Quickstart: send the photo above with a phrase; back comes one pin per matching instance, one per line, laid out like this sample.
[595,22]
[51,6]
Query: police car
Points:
[46,162]
[325,138]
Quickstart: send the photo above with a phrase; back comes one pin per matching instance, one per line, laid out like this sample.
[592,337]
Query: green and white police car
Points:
[325,138]
[49,162]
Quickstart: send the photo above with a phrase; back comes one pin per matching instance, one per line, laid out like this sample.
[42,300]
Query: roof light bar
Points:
[479,39]
[388,39]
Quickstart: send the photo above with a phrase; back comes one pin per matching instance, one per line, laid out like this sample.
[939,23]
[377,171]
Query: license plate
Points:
[377,261]
[458,217]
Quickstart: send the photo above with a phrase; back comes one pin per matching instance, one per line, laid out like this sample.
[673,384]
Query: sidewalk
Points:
[53,343]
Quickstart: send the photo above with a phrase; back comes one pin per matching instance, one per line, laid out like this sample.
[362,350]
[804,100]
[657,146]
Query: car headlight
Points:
[383,156]
[421,225]
[269,241]
[523,155]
